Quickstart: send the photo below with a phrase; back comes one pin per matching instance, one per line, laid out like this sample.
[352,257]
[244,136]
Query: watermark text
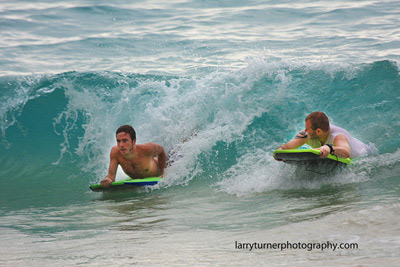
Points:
[309,246]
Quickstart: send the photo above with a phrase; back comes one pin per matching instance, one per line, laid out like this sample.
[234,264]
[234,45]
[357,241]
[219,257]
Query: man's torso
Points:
[141,166]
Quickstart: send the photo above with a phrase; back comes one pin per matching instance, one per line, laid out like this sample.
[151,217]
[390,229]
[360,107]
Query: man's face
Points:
[312,134]
[125,143]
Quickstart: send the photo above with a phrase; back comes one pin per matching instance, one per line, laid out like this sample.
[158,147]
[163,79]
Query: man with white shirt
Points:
[327,138]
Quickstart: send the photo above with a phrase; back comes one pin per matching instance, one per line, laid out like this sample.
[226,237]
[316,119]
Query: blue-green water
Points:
[220,85]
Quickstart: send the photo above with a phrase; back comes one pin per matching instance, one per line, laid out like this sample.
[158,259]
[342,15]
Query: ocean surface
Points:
[219,84]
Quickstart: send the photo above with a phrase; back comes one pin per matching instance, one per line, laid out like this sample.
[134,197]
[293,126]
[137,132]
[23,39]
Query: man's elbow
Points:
[346,153]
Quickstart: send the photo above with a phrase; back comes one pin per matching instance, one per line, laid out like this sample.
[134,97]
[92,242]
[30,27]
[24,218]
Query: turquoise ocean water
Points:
[220,84]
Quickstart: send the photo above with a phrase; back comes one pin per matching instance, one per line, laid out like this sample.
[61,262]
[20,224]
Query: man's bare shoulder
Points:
[114,152]
[148,148]
[147,145]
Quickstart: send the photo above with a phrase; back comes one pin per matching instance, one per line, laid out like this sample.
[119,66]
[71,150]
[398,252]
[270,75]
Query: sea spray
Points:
[220,125]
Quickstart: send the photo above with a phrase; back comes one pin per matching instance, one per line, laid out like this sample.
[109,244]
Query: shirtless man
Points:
[327,138]
[137,161]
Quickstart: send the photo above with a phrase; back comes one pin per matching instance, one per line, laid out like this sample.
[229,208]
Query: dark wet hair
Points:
[127,129]
[318,119]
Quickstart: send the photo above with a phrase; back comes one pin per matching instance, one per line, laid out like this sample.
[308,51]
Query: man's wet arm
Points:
[301,135]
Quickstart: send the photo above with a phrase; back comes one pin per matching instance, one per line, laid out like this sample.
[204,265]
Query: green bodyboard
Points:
[126,184]
[300,156]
